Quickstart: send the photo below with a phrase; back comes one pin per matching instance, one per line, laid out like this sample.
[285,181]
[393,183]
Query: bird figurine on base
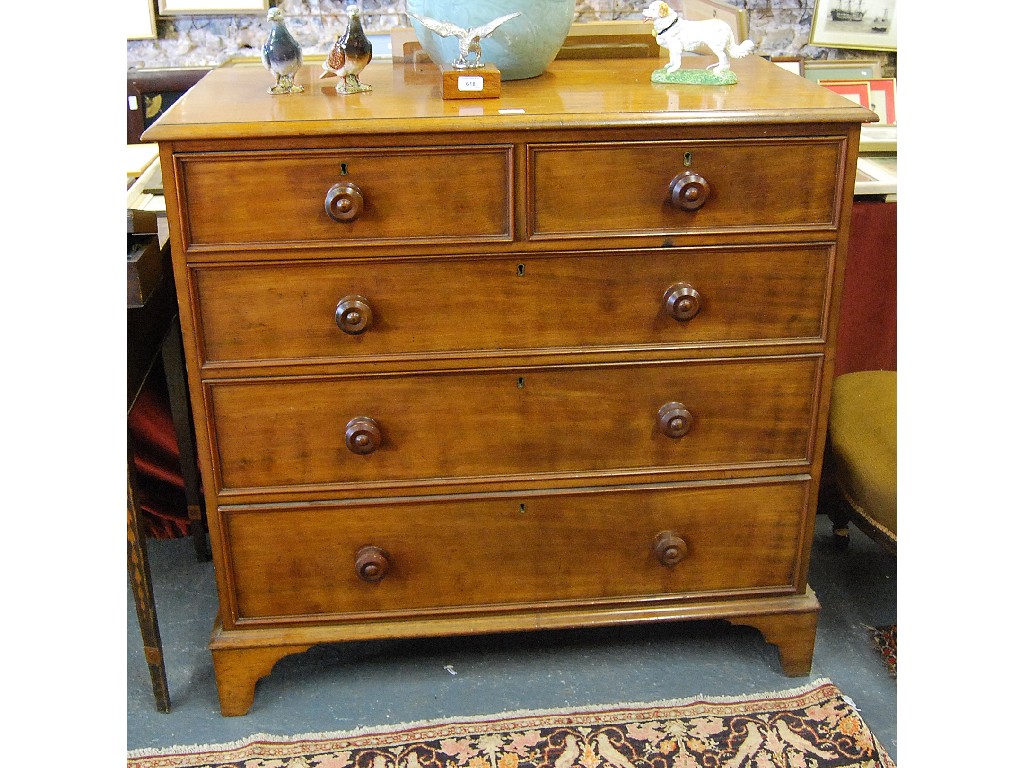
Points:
[351,53]
[282,55]
[469,39]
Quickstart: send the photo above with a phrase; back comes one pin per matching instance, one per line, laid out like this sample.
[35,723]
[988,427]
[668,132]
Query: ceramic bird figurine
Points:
[469,39]
[352,51]
[281,54]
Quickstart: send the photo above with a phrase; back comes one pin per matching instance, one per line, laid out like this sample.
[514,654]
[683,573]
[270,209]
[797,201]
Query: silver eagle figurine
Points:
[281,54]
[469,39]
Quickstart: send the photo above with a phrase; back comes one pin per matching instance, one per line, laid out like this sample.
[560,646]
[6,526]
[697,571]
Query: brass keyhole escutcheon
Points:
[521,382]
[520,270]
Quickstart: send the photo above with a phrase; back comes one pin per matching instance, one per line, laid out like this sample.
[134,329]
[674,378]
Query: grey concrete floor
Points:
[347,686]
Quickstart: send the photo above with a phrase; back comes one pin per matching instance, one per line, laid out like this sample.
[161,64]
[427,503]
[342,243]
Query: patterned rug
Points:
[885,641]
[809,727]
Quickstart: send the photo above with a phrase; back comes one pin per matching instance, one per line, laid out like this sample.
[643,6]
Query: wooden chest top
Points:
[232,102]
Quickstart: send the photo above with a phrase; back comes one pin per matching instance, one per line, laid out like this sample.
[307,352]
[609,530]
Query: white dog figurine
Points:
[676,34]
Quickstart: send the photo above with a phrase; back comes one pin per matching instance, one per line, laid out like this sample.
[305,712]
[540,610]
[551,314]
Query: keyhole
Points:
[522,509]
[687,159]
[521,382]
[520,269]
[344,169]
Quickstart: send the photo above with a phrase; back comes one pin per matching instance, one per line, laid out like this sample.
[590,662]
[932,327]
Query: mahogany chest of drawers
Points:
[557,359]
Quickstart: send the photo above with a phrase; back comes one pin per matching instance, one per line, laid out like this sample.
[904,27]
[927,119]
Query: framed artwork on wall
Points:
[867,25]
[199,7]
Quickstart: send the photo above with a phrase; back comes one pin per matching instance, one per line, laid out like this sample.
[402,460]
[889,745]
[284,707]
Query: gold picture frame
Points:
[842,69]
[211,7]
[865,25]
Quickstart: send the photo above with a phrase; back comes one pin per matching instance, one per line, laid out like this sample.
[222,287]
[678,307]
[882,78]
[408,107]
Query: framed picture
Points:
[141,20]
[881,96]
[858,92]
[842,69]
[883,99]
[867,25]
[199,7]
[794,64]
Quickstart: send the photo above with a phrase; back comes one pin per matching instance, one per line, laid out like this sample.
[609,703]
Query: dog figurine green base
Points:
[694,76]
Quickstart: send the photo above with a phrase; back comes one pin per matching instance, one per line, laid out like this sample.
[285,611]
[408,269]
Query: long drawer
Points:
[347,197]
[445,554]
[471,424]
[684,186]
[335,309]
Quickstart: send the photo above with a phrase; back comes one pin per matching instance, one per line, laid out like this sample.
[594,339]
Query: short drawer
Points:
[414,428]
[688,186]
[239,198]
[682,296]
[438,556]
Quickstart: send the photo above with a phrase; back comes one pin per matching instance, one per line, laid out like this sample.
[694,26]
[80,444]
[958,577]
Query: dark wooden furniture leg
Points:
[181,415]
[142,588]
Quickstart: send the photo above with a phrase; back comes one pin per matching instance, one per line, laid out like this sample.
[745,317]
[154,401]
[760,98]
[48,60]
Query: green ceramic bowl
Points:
[521,48]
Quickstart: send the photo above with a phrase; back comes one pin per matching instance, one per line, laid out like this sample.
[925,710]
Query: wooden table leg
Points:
[142,588]
[181,415]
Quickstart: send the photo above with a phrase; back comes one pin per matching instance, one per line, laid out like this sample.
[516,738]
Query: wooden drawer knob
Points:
[344,202]
[362,435]
[372,564]
[689,191]
[682,301]
[670,549]
[674,420]
[353,314]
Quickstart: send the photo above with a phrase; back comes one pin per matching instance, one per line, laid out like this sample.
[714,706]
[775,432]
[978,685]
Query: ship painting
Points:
[881,23]
[845,12]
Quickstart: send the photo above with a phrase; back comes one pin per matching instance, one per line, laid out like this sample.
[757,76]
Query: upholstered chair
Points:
[859,484]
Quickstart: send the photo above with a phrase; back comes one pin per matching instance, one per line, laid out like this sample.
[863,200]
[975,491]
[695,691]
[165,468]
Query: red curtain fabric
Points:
[867,315]
[161,487]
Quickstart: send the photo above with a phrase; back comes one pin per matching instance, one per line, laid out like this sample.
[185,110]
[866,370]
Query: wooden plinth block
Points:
[479,83]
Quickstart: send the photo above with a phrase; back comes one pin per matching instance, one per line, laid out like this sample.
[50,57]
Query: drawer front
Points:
[278,312]
[627,188]
[314,431]
[444,554]
[241,198]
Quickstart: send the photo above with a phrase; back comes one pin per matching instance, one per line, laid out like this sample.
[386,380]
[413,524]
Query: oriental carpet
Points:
[814,726]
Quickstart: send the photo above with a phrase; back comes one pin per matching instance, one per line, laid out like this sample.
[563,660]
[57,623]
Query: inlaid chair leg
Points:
[239,669]
[142,590]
